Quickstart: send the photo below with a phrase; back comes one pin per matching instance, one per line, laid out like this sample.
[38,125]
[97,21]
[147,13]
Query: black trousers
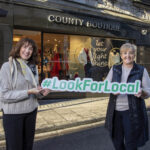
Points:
[19,130]
[122,132]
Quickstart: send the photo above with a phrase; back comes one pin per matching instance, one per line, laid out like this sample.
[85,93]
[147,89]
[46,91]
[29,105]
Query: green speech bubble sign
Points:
[88,85]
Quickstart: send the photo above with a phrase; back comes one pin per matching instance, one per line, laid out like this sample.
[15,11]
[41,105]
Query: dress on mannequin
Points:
[56,66]
[84,58]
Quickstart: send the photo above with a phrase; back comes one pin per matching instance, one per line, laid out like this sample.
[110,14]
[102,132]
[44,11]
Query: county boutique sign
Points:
[88,85]
[84,21]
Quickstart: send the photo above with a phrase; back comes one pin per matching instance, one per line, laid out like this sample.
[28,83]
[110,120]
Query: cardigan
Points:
[15,99]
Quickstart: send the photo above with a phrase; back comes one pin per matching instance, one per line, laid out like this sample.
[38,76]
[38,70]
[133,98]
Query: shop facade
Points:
[71,43]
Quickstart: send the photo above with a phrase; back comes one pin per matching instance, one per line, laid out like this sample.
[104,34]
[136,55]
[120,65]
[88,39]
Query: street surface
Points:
[91,139]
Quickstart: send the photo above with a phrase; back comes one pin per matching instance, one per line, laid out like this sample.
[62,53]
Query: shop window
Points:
[55,56]
[71,56]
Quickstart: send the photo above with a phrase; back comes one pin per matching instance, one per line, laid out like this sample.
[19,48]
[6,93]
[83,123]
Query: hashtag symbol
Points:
[46,83]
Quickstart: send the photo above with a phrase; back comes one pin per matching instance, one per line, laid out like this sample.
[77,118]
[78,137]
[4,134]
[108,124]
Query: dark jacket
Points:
[137,108]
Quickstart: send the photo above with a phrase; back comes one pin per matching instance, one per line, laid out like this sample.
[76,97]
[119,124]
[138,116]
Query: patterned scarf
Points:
[29,72]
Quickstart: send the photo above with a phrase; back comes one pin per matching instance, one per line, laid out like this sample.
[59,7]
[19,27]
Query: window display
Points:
[55,52]
[114,57]
[71,56]
[85,59]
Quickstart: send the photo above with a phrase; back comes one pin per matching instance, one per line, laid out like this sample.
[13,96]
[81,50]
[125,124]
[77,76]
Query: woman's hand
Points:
[34,91]
[45,92]
[139,94]
[116,93]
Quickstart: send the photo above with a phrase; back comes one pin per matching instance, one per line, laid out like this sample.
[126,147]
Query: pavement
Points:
[68,116]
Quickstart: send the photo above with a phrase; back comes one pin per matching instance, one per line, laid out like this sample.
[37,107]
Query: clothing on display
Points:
[114,57]
[84,58]
[98,73]
[76,75]
[56,67]
[45,60]
[66,65]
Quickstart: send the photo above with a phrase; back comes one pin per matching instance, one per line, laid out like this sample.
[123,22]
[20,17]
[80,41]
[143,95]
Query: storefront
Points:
[72,44]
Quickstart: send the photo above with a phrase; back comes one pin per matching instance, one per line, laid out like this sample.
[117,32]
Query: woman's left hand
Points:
[139,94]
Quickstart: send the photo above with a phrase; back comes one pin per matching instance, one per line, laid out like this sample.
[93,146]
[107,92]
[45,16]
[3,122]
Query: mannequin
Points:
[55,65]
[84,58]
[114,57]
[66,65]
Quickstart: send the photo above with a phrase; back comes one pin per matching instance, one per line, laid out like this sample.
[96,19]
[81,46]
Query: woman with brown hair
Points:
[20,88]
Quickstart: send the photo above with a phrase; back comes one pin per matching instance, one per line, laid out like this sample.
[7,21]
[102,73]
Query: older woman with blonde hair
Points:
[126,118]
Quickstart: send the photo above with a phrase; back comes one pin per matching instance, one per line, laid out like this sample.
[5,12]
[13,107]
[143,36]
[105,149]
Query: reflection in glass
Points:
[72,56]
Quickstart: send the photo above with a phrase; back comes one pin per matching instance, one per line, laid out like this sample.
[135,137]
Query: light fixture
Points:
[144,31]
[16,39]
